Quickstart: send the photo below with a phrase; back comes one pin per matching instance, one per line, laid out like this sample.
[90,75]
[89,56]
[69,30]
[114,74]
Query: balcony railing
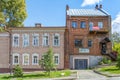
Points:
[98,30]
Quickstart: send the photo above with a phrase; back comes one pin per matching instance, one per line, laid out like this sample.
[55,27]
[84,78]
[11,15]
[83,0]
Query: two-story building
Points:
[28,44]
[87,37]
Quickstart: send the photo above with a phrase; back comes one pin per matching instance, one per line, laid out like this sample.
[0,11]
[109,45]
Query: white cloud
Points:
[116,23]
[90,2]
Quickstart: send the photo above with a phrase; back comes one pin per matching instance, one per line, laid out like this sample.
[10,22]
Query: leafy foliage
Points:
[13,12]
[18,72]
[47,62]
[116,47]
[118,62]
[116,37]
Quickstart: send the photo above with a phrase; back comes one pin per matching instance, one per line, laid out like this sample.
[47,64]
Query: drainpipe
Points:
[10,49]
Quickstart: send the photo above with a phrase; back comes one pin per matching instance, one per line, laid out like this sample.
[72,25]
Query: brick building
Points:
[28,44]
[78,45]
[87,37]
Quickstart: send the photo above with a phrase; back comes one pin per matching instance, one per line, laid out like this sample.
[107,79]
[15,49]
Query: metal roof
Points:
[86,12]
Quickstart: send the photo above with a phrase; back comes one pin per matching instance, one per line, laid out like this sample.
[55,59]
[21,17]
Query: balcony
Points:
[96,29]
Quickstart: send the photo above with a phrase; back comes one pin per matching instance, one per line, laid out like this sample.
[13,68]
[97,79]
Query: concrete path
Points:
[91,75]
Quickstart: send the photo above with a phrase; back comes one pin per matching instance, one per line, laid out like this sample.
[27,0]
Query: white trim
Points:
[13,43]
[25,54]
[37,35]
[45,34]
[58,55]
[3,34]
[23,35]
[35,54]
[15,54]
[58,35]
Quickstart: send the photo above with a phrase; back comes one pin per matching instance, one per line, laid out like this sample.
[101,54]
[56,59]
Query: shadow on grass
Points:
[40,75]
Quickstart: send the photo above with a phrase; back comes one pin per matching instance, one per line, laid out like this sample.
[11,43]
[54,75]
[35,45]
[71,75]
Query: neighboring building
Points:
[4,52]
[29,44]
[86,37]
[78,45]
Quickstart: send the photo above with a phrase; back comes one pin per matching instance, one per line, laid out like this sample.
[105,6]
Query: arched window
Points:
[15,58]
[56,39]
[15,40]
[25,59]
[35,59]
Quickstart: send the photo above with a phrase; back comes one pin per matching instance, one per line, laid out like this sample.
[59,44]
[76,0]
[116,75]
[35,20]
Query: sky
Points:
[52,12]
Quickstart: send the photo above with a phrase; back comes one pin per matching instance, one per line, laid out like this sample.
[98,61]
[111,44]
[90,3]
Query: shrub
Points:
[118,61]
[18,72]
[105,60]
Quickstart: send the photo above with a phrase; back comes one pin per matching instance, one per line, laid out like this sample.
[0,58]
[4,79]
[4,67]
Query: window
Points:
[83,24]
[89,43]
[91,25]
[35,58]
[35,41]
[56,39]
[100,24]
[25,59]
[78,43]
[45,39]
[16,59]
[56,59]
[25,40]
[74,24]
[15,40]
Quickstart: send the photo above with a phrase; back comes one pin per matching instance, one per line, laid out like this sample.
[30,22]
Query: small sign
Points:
[84,50]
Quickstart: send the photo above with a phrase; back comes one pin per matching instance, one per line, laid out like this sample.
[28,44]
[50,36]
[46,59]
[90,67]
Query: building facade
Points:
[78,45]
[86,31]
[29,44]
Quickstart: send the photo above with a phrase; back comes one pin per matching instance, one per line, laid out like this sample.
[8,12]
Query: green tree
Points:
[47,62]
[18,72]
[116,47]
[116,37]
[14,12]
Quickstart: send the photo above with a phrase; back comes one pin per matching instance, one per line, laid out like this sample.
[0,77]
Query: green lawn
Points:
[36,75]
[110,69]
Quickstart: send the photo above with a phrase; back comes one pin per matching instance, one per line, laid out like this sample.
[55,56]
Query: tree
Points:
[47,62]
[116,37]
[18,72]
[118,61]
[14,12]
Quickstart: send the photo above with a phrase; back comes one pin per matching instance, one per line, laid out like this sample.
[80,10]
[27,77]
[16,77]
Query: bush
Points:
[118,61]
[105,60]
[18,72]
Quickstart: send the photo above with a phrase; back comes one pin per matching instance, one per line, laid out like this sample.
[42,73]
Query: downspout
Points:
[10,49]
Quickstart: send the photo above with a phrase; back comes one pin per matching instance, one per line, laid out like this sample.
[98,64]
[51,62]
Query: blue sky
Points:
[52,12]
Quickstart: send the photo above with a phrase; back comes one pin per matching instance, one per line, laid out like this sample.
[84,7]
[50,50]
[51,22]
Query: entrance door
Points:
[80,63]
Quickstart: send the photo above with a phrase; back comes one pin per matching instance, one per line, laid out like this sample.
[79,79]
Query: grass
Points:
[36,75]
[110,69]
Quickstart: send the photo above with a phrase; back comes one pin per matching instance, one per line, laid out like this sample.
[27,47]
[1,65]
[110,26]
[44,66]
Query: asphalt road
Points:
[91,75]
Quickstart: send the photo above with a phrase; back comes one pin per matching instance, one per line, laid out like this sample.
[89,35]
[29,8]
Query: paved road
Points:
[90,75]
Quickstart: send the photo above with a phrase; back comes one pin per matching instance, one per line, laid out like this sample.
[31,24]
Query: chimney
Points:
[96,7]
[100,6]
[67,7]
[37,24]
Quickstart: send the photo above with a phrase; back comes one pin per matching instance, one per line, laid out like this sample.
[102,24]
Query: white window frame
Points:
[35,39]
[35,54]
[25,54]
[58,35]
[14,44]
[58,55]
[15,54]
[43,39]
[27,40]
[100,25]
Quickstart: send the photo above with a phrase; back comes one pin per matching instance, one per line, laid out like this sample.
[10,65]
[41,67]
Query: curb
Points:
[104,74]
